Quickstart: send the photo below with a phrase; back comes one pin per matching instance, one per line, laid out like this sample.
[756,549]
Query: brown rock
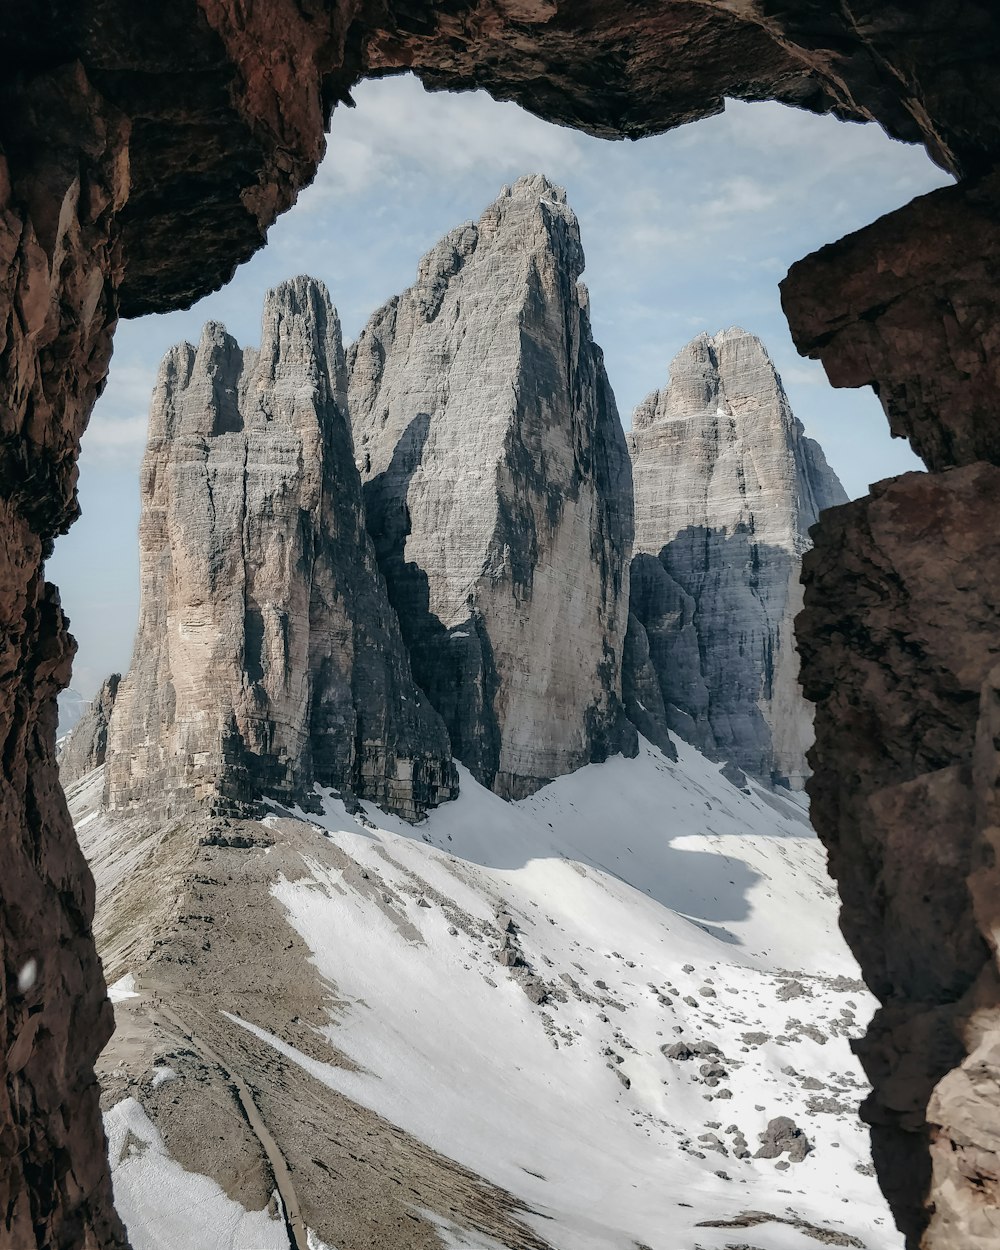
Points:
[907,305]
[899,641]
[57,309]
[123,130]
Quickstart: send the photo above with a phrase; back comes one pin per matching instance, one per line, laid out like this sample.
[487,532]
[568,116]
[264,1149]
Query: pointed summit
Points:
[726,488]
[498,491]
[267,657]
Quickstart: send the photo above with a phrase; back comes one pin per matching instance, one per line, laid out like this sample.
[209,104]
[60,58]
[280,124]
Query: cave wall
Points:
[900,643]
[58,263]
[144,151]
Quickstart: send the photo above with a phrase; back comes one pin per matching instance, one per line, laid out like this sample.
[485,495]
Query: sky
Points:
[684,232]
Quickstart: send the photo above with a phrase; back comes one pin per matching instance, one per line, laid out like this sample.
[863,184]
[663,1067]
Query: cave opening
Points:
[120,135]
[686,232]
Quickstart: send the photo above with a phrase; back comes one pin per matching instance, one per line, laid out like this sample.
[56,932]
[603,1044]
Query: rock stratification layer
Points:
[498,492]
[900,653]
[726,488]
[267,656]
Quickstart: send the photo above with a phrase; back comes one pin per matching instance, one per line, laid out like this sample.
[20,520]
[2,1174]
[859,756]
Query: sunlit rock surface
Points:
[498,492]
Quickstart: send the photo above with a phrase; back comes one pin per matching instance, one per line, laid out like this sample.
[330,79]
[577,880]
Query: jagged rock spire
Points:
[498,491]
[267,656]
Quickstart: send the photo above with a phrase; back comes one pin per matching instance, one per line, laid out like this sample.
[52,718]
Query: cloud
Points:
[398,127]
[805,374]
[115,440]
[116,435]
[740,195]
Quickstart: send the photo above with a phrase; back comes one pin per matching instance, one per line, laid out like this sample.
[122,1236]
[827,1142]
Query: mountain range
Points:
[452,872]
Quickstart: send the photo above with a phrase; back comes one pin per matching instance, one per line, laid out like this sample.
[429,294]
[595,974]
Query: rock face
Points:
[726,488]
[86,747]
[267,657]
[106,163]
[498,492]
[641,691]
[923,333]
[900,653]
[72,706]
[63,180]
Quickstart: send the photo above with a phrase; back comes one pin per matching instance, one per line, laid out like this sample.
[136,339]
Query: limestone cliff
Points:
[498,492]
[726,488]
[267,656]
[86,745]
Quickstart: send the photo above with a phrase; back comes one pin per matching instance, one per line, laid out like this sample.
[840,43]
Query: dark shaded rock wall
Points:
[907,306]
[899,642]
[58,265]
[86,746]
[641,693]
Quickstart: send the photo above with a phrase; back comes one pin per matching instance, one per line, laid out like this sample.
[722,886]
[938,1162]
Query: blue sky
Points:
[685,232]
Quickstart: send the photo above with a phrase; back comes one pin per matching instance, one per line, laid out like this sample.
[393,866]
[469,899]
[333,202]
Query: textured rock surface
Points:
[641,693]
[123,130]
[267,657]
[919,323]
[86,747]
[900,649]
[230,101]
[498,492]
[726,488]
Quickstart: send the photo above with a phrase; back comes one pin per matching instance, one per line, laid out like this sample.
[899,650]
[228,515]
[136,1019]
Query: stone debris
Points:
[782,1136]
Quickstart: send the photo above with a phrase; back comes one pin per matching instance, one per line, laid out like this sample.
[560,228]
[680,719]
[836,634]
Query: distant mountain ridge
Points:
[356,566]
[359,1008]
[726,485]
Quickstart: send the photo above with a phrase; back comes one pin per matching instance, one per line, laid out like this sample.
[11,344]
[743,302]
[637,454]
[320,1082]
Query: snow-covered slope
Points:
[595,1000]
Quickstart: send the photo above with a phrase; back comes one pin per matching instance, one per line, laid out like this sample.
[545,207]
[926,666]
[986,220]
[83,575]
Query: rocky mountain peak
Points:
[267,657]
[727,486]
[300,336]
[534,186]
[498,491]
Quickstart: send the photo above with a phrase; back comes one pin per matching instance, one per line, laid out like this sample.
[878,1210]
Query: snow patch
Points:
[165,1207]
[641,902]
[123,988]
